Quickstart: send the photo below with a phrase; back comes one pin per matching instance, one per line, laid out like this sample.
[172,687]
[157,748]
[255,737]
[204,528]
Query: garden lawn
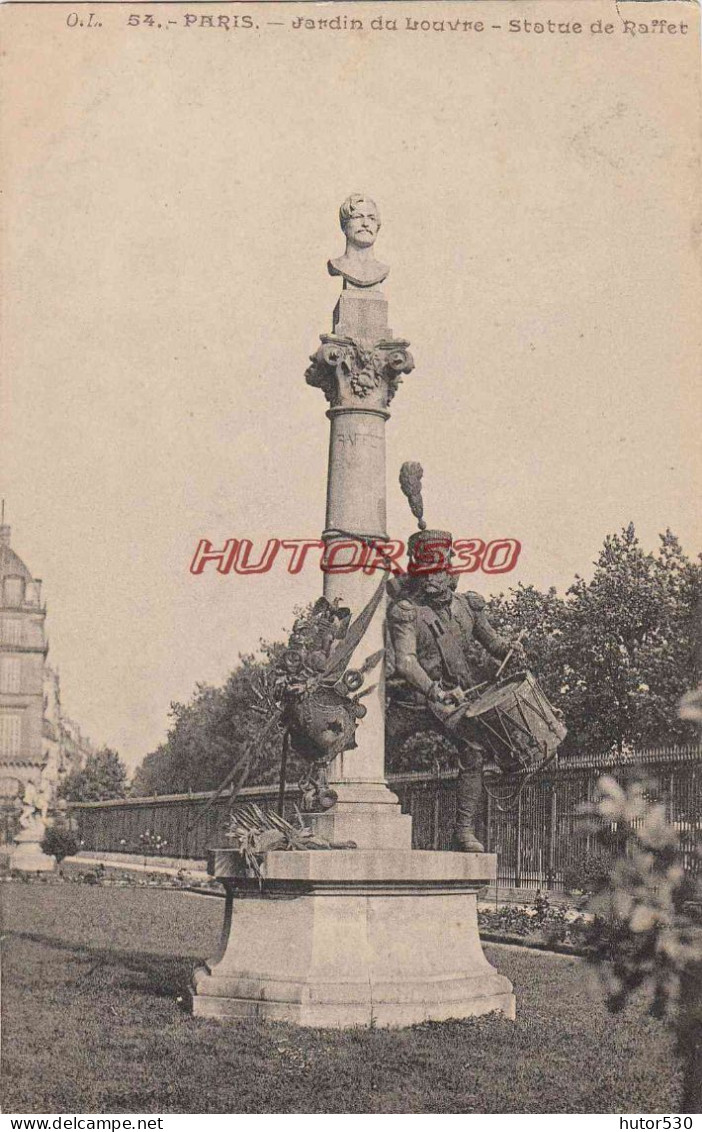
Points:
[95,1020]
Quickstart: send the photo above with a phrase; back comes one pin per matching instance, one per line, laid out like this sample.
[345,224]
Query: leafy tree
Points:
[427,751]
[103,776]
[539,618]
[59,842]
[629,647]
[209,734]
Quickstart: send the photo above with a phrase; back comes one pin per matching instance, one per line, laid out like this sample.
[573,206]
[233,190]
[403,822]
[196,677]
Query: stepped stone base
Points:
[27,856]
[352,938]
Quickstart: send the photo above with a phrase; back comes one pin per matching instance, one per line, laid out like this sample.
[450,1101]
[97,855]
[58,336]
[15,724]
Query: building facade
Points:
[38,745]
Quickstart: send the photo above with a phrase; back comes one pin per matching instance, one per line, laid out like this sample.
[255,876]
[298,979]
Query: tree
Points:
[540,619]
[59,842]
[211,732]
[103,776]
[628,648]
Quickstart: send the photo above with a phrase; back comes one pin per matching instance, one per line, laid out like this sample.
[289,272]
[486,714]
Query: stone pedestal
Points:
[372,820]
[27,855]
[352,938]
[362,314]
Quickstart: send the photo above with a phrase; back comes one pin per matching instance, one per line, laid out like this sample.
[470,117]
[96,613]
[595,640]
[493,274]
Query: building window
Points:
[10,732]
[11,631]
[10,674]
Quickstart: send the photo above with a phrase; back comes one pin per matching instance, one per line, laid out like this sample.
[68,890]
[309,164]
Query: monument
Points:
[379,934]
[27,854]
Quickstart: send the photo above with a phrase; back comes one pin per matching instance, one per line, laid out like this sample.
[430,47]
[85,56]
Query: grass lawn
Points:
[93,1022]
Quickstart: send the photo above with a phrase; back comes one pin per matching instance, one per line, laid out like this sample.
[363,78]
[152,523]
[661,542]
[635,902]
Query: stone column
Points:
[359,367]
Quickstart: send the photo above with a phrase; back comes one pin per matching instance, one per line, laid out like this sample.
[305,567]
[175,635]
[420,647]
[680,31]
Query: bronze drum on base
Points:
[515,723]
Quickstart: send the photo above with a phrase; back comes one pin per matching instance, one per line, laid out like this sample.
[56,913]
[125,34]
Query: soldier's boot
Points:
[469,790]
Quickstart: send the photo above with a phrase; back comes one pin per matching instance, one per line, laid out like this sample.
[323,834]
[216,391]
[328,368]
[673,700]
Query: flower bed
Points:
[541,924]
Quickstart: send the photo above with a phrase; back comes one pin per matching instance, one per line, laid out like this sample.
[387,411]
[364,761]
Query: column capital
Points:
[359,373]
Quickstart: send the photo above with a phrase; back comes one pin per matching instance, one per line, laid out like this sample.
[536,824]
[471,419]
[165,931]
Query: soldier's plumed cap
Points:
[430,547]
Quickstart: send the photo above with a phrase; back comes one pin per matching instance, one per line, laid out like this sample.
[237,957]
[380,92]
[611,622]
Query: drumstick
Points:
[509,655]
[499,670]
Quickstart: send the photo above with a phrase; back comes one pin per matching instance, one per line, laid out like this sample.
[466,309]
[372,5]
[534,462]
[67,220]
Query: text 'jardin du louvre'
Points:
[514,26]
[347,555]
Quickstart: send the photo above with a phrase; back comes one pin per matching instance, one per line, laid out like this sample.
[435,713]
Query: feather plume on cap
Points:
[411,483]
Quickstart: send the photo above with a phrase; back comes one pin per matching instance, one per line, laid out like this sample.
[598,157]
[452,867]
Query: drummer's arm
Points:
[402,620]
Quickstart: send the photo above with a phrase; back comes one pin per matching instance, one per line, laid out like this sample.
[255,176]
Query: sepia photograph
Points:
[350,561]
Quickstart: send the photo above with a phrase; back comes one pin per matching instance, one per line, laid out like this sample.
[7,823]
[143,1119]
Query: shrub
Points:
[543,921]
[151,844]
[589,872]
[59,842]
[645,936]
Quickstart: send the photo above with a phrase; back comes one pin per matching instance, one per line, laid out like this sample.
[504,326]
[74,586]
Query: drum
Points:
[515,723]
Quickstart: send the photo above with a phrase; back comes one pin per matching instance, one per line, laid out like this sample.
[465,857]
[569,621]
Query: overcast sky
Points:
[171,213]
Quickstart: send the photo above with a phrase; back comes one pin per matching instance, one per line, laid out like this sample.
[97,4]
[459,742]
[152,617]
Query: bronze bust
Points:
[360,222]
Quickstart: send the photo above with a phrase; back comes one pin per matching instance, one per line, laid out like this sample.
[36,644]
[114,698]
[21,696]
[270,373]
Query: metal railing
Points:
[538,836]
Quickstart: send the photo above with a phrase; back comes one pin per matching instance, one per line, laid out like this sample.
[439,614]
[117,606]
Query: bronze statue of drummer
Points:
[430,628]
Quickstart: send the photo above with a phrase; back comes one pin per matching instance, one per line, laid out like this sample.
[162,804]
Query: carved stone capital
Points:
[357,373]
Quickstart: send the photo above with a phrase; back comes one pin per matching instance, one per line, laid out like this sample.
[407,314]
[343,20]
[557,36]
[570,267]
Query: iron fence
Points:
[537,834]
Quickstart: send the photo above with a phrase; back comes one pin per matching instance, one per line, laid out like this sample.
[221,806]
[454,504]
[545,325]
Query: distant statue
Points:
[360,222]
[27,853]
[35,806]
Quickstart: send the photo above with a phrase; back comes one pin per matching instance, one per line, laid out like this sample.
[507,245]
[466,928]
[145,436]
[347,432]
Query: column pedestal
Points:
[367,823]
[352,938]
[359,367]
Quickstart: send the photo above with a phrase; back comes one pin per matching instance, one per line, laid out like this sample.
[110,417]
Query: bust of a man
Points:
[360,222]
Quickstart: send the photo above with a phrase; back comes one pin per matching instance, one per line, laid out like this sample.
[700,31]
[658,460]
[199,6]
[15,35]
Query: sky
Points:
[171,207]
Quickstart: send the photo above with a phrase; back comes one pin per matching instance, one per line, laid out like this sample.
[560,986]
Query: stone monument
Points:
[27,854]
[378,934]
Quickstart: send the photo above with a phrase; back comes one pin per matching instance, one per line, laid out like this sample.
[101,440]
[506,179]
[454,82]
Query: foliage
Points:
[59,842]
[589,872]
[213,731]
[541,618]
[253,831]
[426,750]
[151,844]
[510,920]
[542,921]
[103,776]
[631,629]
[121,960]
[644,938]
